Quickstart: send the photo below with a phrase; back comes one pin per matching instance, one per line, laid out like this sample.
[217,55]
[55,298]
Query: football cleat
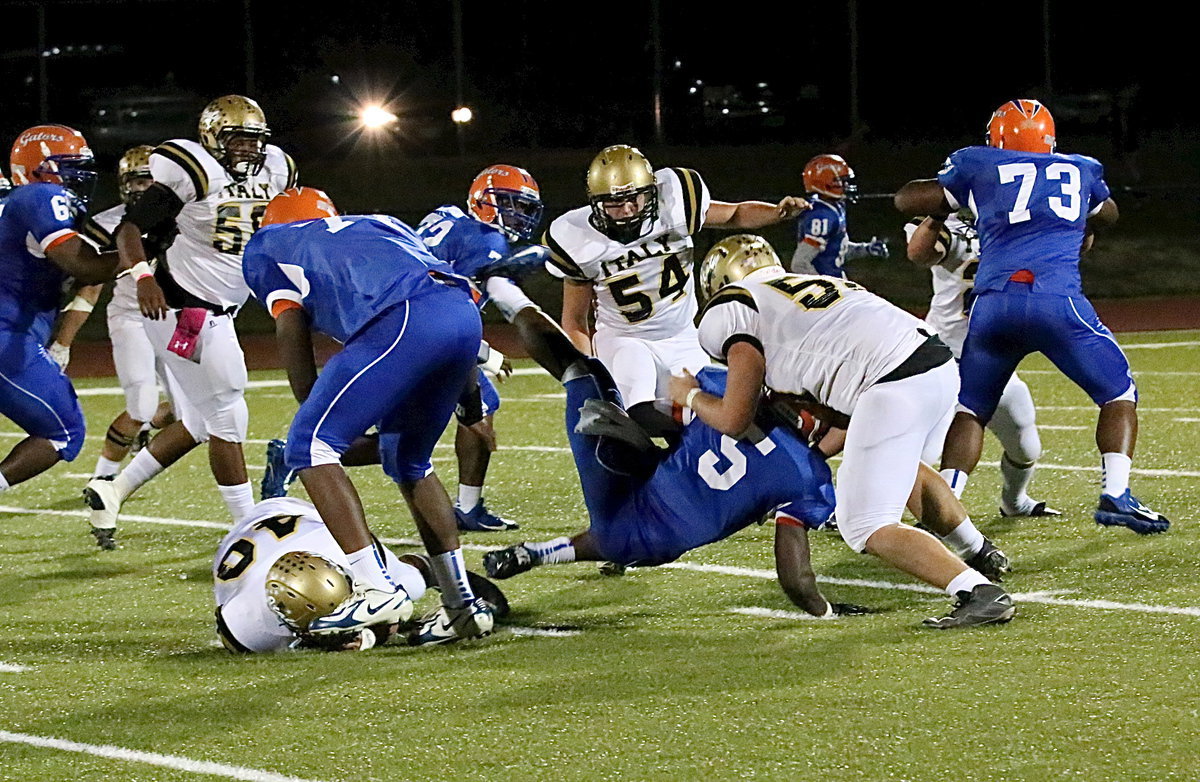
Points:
[101,496]
[277,477]
[990,561]
[1035,508]
[984,605]
[105,538]
[599,418]
[508,562]
[363,609]
[1128,511]
[480,519]
[611,568]
[447,625]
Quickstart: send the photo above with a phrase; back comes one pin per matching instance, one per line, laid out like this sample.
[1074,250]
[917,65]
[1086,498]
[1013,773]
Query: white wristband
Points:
[79,304]
[141,269]
[691,397]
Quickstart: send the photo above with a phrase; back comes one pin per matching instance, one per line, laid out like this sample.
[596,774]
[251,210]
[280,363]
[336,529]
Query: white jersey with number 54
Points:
[220,214]
[644,288]
[822,336]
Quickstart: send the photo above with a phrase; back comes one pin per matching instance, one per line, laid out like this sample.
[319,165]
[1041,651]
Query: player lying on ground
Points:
[1036,210]
[410,333]
[279,568]
[857,354]
[649,506]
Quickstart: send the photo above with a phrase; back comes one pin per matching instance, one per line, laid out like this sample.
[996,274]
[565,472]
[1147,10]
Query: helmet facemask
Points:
[77,173]
[517,214]
[626,229]
[239,162]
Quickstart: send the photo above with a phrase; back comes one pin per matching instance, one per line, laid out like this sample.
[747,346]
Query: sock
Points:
[239,499]
[106,467]
[552,552]
[468,497]
[143,467]
[451,576]
[965,582]
[1116,467]
[956,479]
[965,540]
[1014,495]
[366,565]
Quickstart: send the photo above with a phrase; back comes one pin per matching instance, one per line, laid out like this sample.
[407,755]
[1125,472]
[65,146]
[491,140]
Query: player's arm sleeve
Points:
[695,197]
[1100,191]
[277,291]
[292,173]
[154,211]
[955,181]
[46,214]
[729,317]
[560,261]
[176,169]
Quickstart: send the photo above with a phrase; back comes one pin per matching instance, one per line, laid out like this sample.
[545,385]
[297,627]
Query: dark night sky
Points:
[566,73]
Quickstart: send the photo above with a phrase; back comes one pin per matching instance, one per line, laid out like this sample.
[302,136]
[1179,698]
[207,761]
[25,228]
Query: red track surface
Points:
[94,359]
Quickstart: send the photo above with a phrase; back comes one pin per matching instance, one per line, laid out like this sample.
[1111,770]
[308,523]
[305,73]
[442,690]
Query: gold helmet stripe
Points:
[292,173]
[227,639]
[188,162]
[94,231]
[691,201]
[561,259]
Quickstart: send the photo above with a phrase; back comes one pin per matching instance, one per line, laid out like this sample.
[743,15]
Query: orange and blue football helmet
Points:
[508,198]
[297,204]
[56,154]
[830,176]
[1024,125]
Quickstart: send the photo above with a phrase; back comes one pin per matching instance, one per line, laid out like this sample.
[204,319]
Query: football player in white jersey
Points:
[214,191]
[630,248]
[950,250]
[279,568]
[835,343]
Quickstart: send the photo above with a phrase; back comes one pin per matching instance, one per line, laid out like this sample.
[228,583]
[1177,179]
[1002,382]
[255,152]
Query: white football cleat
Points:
[101,496]
[363,609]
[446,625]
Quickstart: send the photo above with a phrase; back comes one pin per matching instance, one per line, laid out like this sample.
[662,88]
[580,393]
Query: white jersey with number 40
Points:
[220,214]
[822,336]
[644,288]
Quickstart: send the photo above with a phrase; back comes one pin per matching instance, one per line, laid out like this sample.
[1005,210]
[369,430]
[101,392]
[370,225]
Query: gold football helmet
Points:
[134,164]
[235,116]
[622,193]
[303,586]
[732,259]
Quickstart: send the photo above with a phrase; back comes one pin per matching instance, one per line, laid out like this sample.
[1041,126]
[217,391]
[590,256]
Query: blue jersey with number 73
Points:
[1031,212]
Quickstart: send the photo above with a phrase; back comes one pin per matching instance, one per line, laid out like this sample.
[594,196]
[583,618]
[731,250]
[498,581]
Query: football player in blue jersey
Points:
[40,248]
[1035,210]
[822,243]
[504,207]
[648,506]
[410,333]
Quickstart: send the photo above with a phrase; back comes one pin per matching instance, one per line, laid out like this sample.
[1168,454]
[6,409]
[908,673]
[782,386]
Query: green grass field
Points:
[658,676]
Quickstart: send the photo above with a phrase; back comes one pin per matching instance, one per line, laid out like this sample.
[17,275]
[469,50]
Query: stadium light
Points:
[462,115]
[375,116]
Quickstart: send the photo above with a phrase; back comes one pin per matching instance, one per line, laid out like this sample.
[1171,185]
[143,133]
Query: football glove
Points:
[877,248]
[61,355]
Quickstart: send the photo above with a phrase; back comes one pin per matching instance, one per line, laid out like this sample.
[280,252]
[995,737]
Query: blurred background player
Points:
[410,332]
[1035,211]
[52,168]
[214,191]
[504,209]
[950,250]
[849,350]
[278,569]
[822,242]
[648,508]
[133,355]
[630,249]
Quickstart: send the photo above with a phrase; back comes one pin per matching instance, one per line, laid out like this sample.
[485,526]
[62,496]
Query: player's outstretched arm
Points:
[793,565]
[80,260]
[1104,217]
[922,197]
[929,242]
[577,305]
[733,413]
[753,214]
[294,337]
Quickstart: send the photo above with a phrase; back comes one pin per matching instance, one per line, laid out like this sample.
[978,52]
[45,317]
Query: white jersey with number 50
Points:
[644,288]
[220,214]
[822,336]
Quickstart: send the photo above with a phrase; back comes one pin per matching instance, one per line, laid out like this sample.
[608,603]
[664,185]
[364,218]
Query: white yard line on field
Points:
[1064,428]
[1158,345]
[150,758]
[10,668]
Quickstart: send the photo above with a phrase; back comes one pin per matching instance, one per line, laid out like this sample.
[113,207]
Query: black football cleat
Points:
[105,537]
[986,604]
[990,561]
[508,562]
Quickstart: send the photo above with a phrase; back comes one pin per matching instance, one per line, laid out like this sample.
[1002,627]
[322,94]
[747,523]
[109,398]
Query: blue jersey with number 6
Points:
[33,218]
[1031,212]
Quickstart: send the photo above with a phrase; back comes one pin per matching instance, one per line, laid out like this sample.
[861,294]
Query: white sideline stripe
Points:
[1159,345]
[1139,372]
[1188,420]
[773,613]
[1093,408]
[539,632]
[10,668]
[151,758]
[1064,428]
[118,391]
[1042,596]
[1147,471]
